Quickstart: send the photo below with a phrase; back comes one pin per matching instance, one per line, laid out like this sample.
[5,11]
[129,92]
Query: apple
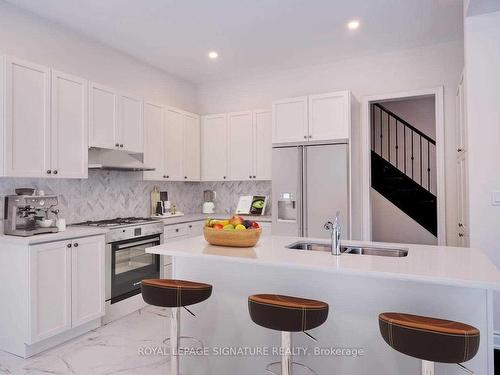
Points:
[255,225]
[236,220]
[228,227]
[218,226]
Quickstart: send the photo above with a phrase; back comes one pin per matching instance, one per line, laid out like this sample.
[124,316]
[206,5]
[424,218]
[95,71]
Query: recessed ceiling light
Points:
[353,25]
[213,55]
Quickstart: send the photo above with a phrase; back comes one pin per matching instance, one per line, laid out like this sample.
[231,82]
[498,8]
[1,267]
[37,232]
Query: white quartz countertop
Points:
[455,266]
[187,218]
[69,233]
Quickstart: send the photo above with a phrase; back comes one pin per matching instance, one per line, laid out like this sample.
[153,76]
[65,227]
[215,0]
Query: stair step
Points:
[405,193]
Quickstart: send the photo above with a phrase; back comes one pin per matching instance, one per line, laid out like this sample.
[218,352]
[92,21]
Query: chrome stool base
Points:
[188,338]
[278,365]
[286,363]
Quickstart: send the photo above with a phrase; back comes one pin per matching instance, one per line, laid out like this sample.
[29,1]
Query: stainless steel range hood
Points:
[116,160]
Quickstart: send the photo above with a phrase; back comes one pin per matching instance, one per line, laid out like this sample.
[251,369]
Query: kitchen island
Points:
[447,282]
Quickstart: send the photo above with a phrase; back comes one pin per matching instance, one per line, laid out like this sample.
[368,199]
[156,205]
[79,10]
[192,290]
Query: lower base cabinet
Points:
[67,285]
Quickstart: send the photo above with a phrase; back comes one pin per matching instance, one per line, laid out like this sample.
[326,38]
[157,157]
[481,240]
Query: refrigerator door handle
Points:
[305,223]
[300,221]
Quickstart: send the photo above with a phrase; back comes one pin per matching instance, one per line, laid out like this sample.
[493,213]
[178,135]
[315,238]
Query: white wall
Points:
[390,224]
[482,62]
[384,73]
[419,112]
[29,37]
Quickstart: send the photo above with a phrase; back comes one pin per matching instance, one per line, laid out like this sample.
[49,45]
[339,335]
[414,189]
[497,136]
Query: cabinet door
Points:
[153,141]
[461,117]
[240,145]
[131,128]
[50,290]
[329,116]
[174,145]
[103,119]
[214,148]
[262,121]
[87,279]
[191,155]
[290,120]
[27,119]
[195,228]
[69,126]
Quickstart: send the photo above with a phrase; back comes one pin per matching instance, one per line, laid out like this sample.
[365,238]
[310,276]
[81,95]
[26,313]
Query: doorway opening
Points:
[402,149]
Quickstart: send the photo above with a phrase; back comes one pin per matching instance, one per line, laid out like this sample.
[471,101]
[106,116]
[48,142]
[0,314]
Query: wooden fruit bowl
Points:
[232,238]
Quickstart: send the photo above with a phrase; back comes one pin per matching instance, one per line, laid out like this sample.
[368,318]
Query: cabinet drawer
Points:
[174,231]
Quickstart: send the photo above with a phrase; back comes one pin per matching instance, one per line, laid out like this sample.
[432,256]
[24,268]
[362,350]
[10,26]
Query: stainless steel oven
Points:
[127,262]
[130,264]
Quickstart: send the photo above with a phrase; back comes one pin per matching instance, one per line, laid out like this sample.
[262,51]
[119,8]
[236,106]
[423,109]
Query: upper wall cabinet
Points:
[192,144]
[214,147]
[329,116]
[69,126]
[27,119]
[237,146]
[130,124]
[171,143]
[153,140]
[240,145]
[44,140]
[323,117]
[290,120]
[262,123]
[115,120]
[103,121]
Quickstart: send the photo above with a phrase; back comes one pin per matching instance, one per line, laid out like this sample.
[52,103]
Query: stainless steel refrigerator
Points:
[310,183]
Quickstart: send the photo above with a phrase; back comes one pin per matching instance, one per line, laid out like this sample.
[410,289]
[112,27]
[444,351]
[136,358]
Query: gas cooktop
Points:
[117,222]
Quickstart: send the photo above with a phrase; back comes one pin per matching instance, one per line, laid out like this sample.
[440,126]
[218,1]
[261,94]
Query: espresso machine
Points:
[27,215]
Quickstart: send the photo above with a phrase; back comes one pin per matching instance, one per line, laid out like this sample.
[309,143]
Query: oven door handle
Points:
[131,244]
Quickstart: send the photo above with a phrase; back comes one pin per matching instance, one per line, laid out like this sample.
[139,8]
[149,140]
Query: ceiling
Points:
[253,36]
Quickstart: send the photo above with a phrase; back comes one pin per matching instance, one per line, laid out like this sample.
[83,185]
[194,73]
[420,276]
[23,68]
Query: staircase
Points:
[403,166]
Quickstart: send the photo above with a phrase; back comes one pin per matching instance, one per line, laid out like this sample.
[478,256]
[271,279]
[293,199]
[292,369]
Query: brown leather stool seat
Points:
[429,339]
[285,313]
[174,293]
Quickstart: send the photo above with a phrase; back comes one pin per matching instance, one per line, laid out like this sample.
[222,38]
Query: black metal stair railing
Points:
[407,148]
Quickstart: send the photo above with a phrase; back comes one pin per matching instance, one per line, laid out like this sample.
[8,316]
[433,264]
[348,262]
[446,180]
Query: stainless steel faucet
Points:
[335,230]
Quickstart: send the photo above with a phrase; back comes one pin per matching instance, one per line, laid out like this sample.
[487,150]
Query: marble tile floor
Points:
[108,350]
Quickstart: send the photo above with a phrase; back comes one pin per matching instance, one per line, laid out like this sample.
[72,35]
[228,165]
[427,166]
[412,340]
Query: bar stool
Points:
[174,294]
[287,314]
[429,339]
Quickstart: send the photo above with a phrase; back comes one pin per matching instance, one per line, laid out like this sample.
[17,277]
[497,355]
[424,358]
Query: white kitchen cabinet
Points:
[323,117]
[87,280]
[130,124]
[27,119]
[153,140]
[116,120]
[191,158]
[262,122]
[240,146]
[50,290]
[103,118]
[214,147]
[67,285]
[290,120]
[329,116]
[69,126]
[174,144]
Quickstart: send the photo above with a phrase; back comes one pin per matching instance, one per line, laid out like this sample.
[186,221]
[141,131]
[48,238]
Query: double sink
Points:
[358,250]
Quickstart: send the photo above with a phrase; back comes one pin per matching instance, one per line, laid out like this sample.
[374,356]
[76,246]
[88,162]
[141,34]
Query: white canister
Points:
[61,224]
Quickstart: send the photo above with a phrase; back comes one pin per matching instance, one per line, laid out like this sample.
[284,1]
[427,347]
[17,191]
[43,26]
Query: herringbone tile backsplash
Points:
[109,194]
